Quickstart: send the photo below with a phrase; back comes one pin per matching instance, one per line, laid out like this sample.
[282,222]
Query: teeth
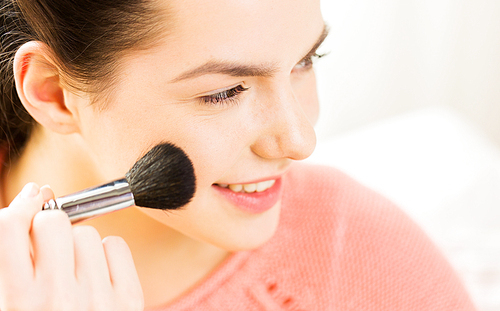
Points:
[250,188]
[262,186]
[236,188]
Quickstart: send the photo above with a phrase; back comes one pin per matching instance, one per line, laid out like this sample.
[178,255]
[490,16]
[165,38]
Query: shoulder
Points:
[369,252]
[327,197]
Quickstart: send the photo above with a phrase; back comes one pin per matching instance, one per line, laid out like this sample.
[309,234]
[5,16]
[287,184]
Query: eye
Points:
[307,62]
[224,97]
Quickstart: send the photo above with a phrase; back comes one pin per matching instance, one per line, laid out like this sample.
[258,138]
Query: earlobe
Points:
[40,90]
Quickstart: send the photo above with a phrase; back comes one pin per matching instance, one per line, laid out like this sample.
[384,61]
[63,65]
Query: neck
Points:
[51,159]
[168,262]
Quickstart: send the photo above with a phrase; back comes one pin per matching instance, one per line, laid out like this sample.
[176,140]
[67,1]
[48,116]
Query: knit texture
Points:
[339,246]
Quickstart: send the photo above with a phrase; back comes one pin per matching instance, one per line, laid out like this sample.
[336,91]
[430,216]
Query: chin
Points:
[234,231]
[252,234]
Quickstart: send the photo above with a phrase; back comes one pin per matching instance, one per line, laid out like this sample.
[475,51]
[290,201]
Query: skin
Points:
[256,135]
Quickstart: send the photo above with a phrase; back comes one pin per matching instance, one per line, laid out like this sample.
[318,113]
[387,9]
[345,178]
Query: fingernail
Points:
[30,190]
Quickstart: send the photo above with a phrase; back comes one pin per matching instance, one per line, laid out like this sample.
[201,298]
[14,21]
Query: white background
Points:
[410,100]
[391,56]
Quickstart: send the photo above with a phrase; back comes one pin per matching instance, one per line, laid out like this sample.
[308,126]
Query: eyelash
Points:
[224,97]
[231,96]
[307,62]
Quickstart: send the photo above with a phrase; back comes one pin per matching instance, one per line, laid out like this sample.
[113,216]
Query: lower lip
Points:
[255,202]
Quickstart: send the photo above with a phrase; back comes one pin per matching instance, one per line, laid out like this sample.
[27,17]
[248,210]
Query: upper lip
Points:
[255,180]
[272,174]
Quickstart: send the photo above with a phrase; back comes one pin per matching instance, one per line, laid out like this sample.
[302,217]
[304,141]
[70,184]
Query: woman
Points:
[232,84]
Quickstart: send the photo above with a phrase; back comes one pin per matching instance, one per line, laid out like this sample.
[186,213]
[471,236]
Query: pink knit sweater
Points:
[339,246]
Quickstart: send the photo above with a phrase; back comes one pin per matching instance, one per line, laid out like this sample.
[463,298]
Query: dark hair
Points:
[86,38]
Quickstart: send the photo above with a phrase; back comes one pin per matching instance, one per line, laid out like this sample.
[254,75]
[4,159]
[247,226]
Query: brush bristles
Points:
[163,178]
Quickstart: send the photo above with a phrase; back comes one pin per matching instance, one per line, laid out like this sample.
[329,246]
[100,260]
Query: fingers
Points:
[40,253]
[26,204]
[91,265]
[52,241]
[15,224]
[47,193]
[122,271]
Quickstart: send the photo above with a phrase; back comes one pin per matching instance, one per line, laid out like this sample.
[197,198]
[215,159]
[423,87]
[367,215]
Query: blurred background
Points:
[410,100]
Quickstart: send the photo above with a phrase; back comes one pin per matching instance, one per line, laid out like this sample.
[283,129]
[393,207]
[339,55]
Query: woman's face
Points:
[231,84]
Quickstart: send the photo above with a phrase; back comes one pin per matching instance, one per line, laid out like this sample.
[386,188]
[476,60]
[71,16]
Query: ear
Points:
[40,90]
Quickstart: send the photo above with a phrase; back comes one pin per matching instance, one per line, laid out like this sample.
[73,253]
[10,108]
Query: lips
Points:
[250,188]
[253,198]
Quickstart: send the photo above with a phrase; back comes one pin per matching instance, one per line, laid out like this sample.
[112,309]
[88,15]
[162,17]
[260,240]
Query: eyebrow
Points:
[241,70]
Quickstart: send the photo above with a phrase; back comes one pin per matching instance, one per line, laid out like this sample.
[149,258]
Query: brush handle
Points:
[94,201]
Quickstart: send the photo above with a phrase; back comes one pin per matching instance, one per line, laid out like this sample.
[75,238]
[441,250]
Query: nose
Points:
[287,132]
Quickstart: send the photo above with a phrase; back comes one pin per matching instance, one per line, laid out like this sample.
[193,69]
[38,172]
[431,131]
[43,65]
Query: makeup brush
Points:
[163,179]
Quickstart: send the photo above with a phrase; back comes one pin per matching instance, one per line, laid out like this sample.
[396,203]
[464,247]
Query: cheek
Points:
[112,141]
[117,139]
[215,145]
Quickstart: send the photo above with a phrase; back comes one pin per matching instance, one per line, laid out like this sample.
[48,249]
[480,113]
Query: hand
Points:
[46,264]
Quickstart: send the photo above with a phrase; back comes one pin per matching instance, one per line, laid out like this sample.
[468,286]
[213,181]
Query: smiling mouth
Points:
[249,188]
[253,198]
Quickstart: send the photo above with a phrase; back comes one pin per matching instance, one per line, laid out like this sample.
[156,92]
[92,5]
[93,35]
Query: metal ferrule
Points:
[95,201]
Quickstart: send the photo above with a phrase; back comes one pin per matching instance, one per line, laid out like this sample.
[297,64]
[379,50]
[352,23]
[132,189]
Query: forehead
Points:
[260,30]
